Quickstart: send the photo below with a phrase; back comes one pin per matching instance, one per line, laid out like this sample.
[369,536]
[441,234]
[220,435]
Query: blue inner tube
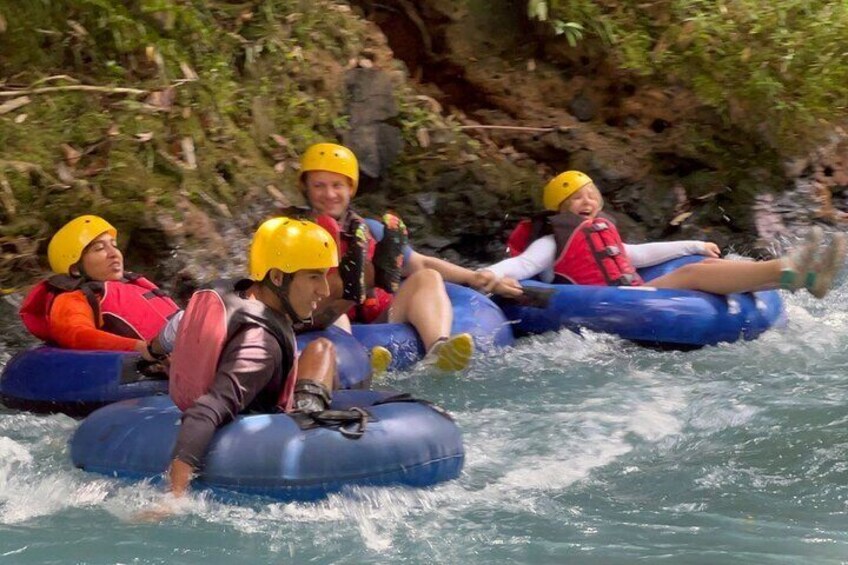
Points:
[472,312]
[659,317]
[407,443]
[49,379]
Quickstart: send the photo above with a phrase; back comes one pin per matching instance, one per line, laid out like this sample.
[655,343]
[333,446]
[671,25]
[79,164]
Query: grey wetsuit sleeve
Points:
[168,334]
[250,364]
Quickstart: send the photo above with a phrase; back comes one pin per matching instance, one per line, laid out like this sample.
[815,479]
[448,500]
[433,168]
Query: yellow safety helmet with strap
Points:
[291,245]
[66,246]
[561,187]
[333,158]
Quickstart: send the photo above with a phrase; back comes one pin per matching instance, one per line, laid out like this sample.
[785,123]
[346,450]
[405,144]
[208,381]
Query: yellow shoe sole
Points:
[381,358]
[455,353]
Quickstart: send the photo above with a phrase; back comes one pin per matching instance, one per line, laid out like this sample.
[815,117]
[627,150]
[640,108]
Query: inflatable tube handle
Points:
[533,297]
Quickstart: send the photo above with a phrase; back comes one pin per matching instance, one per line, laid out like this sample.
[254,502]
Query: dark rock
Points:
[582,107]
[376,146]
[427,201]
[13,336]
[371,103]
[438,242]
[370,95]
[448,180]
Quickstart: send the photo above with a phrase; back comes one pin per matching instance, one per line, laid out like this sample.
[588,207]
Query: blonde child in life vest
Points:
[576,243]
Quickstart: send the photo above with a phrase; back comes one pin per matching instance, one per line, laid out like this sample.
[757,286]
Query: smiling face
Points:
[102,260]
[328,193]
[308,287]
[586,202]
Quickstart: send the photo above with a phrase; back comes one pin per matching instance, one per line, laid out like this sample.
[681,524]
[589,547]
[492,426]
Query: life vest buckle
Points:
[612,251]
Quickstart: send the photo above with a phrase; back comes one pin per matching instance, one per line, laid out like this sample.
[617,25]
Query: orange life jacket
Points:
[133,307]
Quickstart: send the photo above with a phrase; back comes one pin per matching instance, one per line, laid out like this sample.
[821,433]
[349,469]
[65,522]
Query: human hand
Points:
[484,281]
[508,287]
[711,249]
[142,348]
[167,506]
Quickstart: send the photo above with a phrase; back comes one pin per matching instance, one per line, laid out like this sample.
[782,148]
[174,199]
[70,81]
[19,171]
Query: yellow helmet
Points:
[561,187]
[291,245]
[66,246]
[330,157]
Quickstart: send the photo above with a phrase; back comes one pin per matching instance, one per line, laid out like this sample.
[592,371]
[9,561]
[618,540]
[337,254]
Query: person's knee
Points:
[427,278]
[320,347]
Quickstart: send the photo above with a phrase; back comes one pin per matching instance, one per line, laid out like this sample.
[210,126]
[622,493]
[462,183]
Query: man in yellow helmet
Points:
[235,348]
[374,256]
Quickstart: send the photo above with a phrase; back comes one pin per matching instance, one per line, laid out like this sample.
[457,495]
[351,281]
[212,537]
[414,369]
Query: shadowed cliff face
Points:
[662,158]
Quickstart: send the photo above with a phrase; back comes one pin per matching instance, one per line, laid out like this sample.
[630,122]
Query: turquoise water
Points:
[579,450]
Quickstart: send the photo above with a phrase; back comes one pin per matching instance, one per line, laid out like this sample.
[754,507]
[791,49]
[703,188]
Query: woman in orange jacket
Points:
[91,302]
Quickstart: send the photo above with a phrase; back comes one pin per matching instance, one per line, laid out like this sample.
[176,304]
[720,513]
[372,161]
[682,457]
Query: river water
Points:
[579,449]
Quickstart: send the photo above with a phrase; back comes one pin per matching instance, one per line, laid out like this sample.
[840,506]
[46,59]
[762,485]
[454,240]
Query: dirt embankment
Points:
[664,160]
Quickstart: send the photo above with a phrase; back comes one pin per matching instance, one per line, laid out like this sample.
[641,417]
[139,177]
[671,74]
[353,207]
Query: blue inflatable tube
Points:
[659,317]
[50,379]
[472,312]
[405,443]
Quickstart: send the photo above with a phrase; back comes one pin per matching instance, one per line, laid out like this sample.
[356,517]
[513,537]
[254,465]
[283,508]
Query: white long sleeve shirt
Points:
[539,257]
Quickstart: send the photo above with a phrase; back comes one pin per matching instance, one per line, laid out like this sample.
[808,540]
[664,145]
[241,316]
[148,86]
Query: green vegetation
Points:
[143,109]
[777,69]
[135,106]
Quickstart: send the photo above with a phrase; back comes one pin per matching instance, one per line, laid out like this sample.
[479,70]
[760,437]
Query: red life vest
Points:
[527,231]
[375,300]
[588,251]
[343,227]
[342,231]
[133,307]
[213,316]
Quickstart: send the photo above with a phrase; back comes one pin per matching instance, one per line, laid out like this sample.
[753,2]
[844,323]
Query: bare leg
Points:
[423,302]
[723,277]
[343,323]
[317,363]
[316,369]
[804,267]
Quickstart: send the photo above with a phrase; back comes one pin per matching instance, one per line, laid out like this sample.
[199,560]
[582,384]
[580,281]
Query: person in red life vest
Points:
[235,347]
[576,243]
[376,256]
[91,302]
